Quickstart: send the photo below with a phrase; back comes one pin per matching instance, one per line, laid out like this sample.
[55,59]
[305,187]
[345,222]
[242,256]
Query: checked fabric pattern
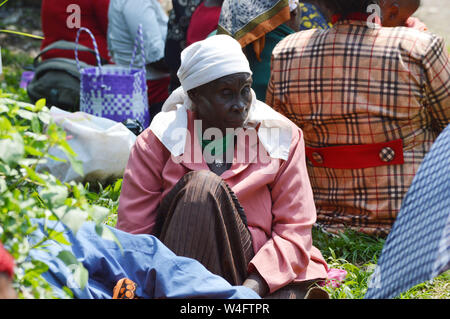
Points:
[115,93]
[387,154]
[418,247]
[354,85]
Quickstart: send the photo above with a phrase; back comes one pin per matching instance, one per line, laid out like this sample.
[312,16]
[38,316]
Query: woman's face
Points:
[223,103]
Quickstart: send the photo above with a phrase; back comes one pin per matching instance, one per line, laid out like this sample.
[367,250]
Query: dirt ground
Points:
[25,16]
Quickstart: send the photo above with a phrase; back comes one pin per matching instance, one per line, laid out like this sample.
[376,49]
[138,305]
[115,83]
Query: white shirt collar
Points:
[170,125]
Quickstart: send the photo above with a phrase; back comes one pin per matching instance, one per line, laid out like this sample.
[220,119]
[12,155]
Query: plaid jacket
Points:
[370,103]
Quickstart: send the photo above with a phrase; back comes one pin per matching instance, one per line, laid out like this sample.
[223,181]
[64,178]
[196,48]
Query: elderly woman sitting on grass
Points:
[220,177]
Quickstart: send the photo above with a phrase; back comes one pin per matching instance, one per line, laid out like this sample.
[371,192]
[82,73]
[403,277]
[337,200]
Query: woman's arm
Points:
[142,185]
[436,64]
[257,284]
[288,252]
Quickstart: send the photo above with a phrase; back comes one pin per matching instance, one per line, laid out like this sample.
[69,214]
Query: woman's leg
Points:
[201,218]
[301,290]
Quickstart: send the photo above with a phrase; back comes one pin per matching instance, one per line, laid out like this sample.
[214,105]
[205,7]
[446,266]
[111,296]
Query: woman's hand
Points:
[416,24]
[256,283]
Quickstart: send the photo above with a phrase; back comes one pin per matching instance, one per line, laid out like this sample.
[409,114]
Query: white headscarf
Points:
[205,61]
[211,59]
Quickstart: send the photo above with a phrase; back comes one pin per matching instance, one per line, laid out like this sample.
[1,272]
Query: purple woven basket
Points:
[115,92]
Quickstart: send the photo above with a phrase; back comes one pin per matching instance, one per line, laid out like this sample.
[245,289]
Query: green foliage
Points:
[358,254]
[27,132]
[354,252]
[107,197]
[13,64]
[438,288]
[357,248]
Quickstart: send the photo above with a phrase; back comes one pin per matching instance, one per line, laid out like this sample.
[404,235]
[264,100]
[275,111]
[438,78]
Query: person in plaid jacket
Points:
[370,101]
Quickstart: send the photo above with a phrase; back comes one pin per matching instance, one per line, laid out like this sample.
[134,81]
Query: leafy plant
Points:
[355,247]
[27,132]
[356,282]
[13,64]
[107,197]
[358,254]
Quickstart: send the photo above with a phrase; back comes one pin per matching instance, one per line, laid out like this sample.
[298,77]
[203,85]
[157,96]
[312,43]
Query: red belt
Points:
[357,156]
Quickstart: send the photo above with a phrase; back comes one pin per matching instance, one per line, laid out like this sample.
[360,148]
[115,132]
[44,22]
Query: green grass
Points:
[352,251]
[358,254]
[13,64]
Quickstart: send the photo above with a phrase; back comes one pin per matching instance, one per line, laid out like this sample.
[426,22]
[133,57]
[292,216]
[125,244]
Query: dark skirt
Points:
[201,218]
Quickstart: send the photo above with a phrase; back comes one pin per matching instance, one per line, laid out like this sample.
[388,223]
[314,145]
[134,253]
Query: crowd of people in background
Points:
[358,107]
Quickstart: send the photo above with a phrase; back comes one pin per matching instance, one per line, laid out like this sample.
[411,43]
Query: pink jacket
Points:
[278,202]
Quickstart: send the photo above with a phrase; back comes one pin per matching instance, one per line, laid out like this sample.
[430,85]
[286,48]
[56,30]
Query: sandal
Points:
[125,289]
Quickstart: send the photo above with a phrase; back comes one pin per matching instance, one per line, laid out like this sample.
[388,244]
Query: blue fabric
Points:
[156,270]
[311,17]
[418,246]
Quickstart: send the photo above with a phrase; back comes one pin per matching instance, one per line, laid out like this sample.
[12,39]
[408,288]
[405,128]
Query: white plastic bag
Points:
[102,145]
